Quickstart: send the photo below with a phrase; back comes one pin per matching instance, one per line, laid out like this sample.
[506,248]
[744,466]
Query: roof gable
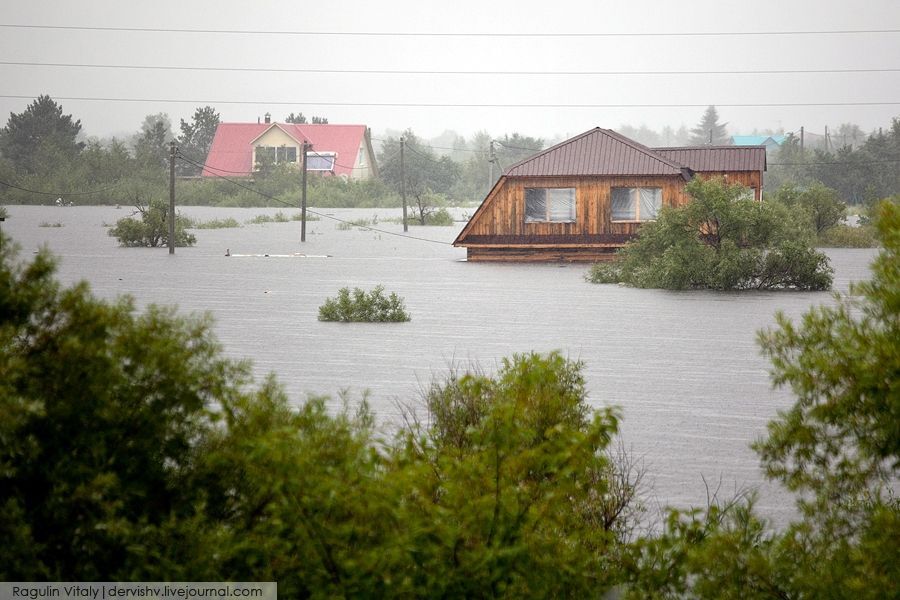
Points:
[287,129]
[596,152]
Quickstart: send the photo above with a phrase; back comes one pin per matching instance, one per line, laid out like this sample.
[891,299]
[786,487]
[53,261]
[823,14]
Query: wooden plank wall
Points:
[506,213]
[751,179]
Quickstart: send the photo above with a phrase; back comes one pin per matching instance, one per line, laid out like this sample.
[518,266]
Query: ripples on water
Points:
[683,366]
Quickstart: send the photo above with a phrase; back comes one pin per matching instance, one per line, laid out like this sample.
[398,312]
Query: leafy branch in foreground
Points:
[720,240]
[361,306]
[837,448]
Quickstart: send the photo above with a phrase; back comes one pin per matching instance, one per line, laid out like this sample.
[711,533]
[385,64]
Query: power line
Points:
[844,163]
[318,214]
[442,34]
[458,105]
[446,72]
[61,194]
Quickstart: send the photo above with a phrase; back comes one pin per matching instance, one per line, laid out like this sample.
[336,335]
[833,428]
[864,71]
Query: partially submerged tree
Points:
[152,229]
[425,176]
[721,239]
[819,204]
[361,306]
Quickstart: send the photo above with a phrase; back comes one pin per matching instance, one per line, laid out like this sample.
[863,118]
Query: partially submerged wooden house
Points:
[584,198]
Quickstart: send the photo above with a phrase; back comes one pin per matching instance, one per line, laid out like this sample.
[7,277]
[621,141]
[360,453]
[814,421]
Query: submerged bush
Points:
[439,218]
[152,229]
[260,219]
[720,240]
[362,306]
[228,223]
[848,236]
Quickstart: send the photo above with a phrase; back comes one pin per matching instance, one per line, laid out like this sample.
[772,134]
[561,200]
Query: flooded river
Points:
[683,366]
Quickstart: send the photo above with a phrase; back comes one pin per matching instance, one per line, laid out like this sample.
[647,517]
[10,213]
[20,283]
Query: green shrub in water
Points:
[366,307]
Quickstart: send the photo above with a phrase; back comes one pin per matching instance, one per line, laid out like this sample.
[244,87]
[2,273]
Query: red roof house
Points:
[344,150]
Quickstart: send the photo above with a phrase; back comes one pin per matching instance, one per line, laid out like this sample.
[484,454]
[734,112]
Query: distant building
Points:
[342,150]
[771,142]
[586,197]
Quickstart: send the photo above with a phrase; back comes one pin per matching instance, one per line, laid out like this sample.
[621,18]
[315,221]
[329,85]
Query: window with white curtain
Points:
[636,204]
[320,161]
[554,205]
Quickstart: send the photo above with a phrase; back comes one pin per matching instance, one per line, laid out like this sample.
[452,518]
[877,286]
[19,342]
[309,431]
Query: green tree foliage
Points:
[480,168]
[508,487]
[39,134]
[362,306]
[131,449]
[196,138]
[425,175]
[709,130]
[861,169]
[300,119]
[152,229]
[839,444]
[820,205]
[837,448]
[101,410]
[722,240]
[151,146]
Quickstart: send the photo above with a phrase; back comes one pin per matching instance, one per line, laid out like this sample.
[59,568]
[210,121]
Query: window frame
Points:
[634,193]
[323,155]
[548,212]
[274,152]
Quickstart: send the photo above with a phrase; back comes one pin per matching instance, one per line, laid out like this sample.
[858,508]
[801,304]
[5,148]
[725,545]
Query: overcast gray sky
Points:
[230,65]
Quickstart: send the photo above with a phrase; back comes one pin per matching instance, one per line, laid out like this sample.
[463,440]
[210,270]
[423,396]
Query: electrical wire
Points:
[446,72]
[312,212]
[457,105]
[442,34]
[846,163]
[62,194]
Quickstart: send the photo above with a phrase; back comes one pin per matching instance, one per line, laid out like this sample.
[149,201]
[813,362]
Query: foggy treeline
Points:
[47,157]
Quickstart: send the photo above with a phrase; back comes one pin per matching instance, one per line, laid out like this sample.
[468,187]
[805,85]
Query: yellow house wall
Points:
[276,137]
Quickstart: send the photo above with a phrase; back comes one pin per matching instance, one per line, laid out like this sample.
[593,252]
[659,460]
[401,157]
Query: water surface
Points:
[683,366]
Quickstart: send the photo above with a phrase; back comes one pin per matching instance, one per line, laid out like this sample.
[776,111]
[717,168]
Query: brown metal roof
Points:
[597,152]
[717,158]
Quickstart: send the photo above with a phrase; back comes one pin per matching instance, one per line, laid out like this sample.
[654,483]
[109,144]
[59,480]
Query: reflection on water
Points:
[683,366]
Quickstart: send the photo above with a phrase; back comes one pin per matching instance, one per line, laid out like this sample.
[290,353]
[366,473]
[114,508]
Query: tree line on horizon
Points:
[43,155]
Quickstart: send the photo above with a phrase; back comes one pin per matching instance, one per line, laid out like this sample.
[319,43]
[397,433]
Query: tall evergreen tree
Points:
[41,128]
[151,146]
[196,138]
[709,130]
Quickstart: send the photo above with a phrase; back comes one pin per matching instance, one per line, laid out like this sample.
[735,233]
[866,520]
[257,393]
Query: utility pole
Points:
[403,182]
[709,143]
[304,149]
[172,197]
[491,159]
[801,140]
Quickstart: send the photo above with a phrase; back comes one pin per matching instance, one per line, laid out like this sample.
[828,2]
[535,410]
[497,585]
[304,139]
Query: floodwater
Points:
[684,367]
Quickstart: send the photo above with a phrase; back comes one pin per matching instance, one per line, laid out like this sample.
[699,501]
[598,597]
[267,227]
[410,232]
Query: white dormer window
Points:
[320,161]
